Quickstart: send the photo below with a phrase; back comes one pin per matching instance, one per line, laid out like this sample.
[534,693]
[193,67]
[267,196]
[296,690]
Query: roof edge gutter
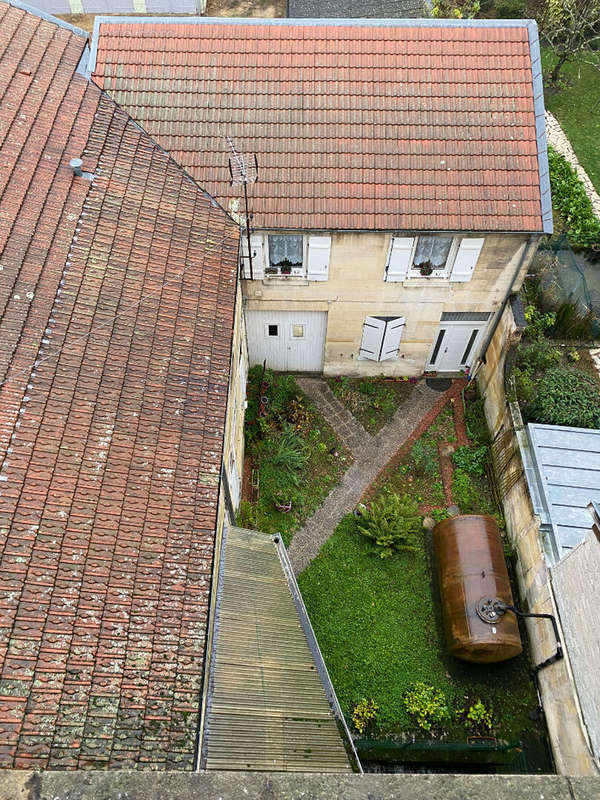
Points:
[540,126]
[317,655]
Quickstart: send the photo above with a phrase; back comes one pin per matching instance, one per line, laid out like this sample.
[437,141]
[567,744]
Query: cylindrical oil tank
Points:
[473,576]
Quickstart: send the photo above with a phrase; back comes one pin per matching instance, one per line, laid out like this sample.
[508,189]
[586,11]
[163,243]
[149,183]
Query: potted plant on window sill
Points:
[426,268]
[286,267]
[271,271]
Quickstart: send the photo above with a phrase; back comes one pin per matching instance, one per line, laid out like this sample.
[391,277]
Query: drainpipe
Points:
[532,243]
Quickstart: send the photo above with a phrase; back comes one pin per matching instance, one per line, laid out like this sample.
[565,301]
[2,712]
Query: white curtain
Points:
[286,250]
[434,249]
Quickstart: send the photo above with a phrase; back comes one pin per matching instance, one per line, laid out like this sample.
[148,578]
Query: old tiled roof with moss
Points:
[117,293]
[397,125]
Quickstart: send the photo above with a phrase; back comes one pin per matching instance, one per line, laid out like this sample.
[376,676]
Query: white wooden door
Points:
[290,341]
[455,346]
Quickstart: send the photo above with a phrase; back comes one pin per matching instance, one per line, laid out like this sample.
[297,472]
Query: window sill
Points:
[298,279]
[421,280]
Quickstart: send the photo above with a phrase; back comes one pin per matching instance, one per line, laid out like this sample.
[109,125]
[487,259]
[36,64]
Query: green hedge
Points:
[565,398]
[572,203]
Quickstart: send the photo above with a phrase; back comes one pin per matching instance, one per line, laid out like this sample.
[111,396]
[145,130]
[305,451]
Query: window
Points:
[272,330]
[298,331]
[286,254]
[432,256]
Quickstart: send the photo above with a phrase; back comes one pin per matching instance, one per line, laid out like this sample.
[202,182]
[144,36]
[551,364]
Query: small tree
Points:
[393,522]
[569,27]
[457,9]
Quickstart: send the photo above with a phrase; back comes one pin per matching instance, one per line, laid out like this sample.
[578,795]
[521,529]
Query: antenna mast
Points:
[243,170]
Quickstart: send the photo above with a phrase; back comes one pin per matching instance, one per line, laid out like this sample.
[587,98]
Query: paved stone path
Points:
[559,141]
[371,454]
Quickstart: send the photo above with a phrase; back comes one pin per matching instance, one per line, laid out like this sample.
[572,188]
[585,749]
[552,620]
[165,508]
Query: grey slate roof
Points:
[563,477]
[370,9]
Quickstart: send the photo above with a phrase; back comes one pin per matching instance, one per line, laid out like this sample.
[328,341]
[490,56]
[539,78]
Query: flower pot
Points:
[285,508]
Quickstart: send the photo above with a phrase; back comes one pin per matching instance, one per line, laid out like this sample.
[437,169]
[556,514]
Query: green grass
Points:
[327,458]
[378,625]
[373,401]
[574,106]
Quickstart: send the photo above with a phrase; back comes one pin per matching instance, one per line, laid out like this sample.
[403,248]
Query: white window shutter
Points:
[258,256]
[399,258]
[372,338]
[319,251]
[466,259]
[391,338]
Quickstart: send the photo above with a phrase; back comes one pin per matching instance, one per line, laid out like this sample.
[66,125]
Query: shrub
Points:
[284,390]
[425,456]
[464,491]
[571,323]
[476,423]
[538,355]
[393,522]
[427,705]
[471,460]
[565,398]
[363,714]
[571,201]
[538,322]
[287,453]
[480,718]
[524,385]
[439,514]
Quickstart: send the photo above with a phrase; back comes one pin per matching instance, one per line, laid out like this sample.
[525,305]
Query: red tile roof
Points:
[116,323]
[356,126]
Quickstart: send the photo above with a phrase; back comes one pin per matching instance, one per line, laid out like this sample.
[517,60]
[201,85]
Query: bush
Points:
[464,492]
[480,718]
[476,423]
[572,324]
[565,398]
[538,355]
[571,201]
[393,522]
[427,705]
[425,456]
[524,385]
[287,453]
[363,714]
[471,460]
[538,322]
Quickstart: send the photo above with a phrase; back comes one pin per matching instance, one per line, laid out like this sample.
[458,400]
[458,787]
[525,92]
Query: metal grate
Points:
[506,465]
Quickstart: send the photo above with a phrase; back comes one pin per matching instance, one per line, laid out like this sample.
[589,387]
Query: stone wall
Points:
[568,737]
[356,289]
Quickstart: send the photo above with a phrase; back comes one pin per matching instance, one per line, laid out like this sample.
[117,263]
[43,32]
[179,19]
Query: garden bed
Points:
[293,456]
[378,620]
[554,379]
[373,401]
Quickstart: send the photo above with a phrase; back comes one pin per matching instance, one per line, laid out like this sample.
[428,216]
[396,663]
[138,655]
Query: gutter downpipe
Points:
[532,242]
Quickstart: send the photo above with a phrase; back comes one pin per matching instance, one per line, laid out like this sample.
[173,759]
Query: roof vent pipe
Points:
[76,165]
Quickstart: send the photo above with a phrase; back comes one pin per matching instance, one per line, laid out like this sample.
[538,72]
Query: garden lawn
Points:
[577,108]
[373,401]
[378,624]
[327,458]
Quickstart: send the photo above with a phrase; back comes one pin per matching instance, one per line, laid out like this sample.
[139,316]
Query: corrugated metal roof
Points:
[564,480]
[267,707]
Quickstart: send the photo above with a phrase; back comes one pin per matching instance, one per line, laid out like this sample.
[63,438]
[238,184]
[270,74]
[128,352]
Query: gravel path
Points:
[371,454]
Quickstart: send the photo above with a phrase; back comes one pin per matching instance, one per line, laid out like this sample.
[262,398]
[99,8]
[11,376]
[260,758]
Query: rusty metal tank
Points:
[473,578]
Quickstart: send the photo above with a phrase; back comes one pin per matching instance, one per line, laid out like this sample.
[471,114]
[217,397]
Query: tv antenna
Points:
[243,170]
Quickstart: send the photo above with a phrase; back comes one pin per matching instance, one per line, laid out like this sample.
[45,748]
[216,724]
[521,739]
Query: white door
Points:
[290,341]
[456,345]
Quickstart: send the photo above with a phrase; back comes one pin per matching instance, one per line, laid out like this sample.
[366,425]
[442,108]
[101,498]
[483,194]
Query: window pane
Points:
[467,352]
[273,330]
[434,249]
[285,250]
[438,344]
[298,331]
